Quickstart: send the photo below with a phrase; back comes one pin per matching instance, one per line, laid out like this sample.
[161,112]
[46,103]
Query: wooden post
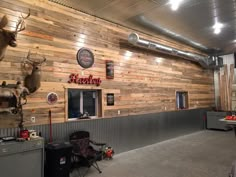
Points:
[220,92]
[231,78]
[226,87]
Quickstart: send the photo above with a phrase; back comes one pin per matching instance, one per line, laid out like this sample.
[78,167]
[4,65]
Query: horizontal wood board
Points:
[140,84]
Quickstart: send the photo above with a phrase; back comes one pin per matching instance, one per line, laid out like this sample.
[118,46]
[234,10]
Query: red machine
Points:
[109,152]
[24,134]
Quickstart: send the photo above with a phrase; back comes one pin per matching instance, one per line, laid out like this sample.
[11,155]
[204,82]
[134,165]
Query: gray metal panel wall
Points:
[130,132]
[15,156]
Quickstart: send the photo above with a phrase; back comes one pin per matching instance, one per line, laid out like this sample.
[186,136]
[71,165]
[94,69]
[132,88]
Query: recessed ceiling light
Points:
[217,30]
[217,27]
[175,4]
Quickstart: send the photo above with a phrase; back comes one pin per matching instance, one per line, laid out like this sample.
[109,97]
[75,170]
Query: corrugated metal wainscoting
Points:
[126,133]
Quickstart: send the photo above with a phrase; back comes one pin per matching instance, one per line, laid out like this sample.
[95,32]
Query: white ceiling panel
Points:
[193,20]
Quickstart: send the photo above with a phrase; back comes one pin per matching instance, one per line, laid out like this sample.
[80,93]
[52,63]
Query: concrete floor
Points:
[203,154]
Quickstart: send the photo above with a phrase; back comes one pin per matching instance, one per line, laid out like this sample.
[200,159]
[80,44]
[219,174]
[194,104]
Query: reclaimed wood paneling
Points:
[140,85]
[225,87]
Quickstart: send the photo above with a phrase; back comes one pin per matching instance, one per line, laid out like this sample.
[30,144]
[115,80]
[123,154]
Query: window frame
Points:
[98,108]
[186,100]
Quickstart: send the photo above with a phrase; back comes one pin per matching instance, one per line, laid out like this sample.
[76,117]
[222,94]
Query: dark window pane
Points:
[182,100]
[89,101]
[73,103]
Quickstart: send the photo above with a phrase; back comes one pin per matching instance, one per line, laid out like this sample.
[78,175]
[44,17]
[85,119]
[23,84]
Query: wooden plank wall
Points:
[140,84]
[226,79]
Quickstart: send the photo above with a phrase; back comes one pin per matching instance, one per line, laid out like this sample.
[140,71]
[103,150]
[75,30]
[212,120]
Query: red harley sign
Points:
[74,78]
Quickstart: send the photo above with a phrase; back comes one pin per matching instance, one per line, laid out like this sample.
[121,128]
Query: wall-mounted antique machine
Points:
[11,96]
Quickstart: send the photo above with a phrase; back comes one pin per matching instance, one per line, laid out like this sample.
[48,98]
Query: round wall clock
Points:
[52,98]
[85,58]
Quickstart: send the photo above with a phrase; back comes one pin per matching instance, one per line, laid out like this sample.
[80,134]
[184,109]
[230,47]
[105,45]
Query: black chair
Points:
[84,153]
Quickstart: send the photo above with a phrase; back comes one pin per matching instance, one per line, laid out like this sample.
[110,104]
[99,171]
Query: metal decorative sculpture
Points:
[32,81]
[8,37]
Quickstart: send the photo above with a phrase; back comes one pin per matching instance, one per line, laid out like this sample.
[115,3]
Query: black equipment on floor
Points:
[84,153]
[58,160]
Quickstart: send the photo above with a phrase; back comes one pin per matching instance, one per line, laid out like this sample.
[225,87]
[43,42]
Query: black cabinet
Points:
[58,160]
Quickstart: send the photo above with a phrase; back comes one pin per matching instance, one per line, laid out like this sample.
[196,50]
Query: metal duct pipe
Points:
[140,19]
[205,62]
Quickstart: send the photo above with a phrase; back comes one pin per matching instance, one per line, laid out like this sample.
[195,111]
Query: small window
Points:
[83,103]
[182,100]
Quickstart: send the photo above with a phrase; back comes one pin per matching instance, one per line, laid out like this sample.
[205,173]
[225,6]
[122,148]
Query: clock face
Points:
[52,98]
[85,58]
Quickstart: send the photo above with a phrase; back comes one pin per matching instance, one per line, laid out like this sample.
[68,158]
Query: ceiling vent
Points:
[209,62]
